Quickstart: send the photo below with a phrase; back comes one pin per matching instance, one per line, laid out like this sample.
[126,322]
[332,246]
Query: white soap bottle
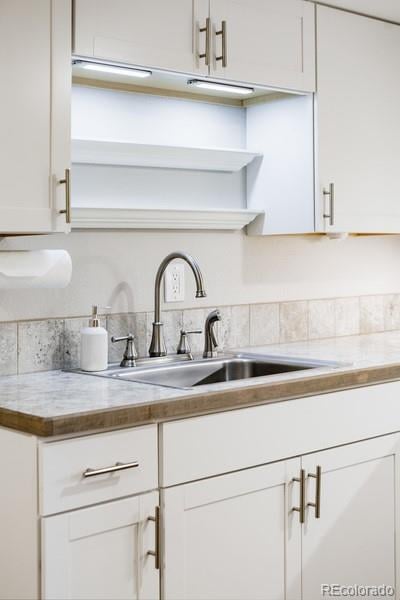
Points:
[94,345]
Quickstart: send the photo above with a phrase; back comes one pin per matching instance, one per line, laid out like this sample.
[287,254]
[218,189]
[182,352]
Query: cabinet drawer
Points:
[76,472]
[224,442]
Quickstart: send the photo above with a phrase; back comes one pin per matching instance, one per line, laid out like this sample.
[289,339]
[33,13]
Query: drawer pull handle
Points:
[317,504]
[301,509]
[156,551]
[113,469]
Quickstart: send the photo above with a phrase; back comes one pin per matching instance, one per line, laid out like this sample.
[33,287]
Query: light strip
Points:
[221,87]
[113,69]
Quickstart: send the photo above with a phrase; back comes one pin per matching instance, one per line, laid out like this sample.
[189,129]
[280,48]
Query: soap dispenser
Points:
[94,345]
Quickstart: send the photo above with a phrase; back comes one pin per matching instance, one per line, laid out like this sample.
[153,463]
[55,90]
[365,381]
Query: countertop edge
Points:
[196,405]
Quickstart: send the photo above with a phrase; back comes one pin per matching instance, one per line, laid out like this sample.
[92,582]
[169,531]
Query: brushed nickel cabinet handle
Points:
[67,182]
[331,194]
[207,31]
[156,551]
[317,503]
[224,53]
[113,469]
[301,509]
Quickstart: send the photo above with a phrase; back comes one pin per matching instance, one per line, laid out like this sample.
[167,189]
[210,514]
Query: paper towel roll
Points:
[21,269]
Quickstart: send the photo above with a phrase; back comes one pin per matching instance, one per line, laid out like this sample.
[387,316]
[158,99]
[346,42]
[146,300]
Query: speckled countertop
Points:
[60,403]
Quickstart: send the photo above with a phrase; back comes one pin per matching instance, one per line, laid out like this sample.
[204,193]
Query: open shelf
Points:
[108,152]
[157,218]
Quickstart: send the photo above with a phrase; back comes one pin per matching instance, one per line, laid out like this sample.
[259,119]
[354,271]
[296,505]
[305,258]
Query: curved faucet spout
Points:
[157,346]
[210,340]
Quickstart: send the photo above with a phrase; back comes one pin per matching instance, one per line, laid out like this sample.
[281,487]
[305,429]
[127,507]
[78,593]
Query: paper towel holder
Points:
[24,269]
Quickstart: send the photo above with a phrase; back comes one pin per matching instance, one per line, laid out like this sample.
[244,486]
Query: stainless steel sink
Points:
[186,374]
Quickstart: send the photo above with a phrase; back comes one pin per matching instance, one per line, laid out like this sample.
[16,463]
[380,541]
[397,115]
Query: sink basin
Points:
[186,374]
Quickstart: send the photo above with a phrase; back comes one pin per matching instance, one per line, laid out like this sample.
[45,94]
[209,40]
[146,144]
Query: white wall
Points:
[118,268]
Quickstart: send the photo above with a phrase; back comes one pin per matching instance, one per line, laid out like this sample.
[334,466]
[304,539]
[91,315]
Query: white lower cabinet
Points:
[233,537]
[282,531]
[101,552]
[353,540]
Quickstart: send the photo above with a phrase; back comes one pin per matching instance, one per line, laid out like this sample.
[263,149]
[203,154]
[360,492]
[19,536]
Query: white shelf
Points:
[154,218]
[108,152]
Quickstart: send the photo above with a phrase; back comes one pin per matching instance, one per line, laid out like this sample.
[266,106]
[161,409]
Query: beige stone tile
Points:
[347,315]
[321,319]
[391,312]
[264,324]
[40,345]
[293,321]
[72,341]
[371,314]
[8,348]
[239,334]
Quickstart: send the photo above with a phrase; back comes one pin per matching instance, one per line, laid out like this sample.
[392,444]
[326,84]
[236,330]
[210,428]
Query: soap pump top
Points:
[94,320]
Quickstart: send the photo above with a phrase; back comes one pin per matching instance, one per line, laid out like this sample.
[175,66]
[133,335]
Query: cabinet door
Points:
[357,123]
[353,540]
[231,536]
[151,33]
[268,42]
[101,552]
[26,200]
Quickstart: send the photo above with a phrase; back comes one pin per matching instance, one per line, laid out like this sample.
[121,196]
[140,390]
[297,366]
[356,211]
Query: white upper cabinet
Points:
[34,120]
[383,9]
[151,33]
[357,124]
[266,42]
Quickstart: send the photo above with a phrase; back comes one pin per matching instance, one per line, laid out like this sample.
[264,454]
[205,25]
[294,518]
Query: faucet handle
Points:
[184,346]
[130,354]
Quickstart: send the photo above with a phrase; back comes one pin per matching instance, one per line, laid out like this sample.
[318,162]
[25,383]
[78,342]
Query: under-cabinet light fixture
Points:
[112,69]
[221,87]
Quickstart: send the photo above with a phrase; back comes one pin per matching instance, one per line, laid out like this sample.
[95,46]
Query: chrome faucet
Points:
[210,340]
[157,346]
[130,354]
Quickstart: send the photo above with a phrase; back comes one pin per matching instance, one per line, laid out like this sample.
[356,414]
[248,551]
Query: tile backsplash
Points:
[29,346]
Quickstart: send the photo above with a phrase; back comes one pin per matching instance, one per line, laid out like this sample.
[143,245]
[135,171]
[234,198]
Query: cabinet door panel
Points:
[152,33]
[100,553]
[25,116]
[353,541]
[230,537]
[358,126]
[269,42]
